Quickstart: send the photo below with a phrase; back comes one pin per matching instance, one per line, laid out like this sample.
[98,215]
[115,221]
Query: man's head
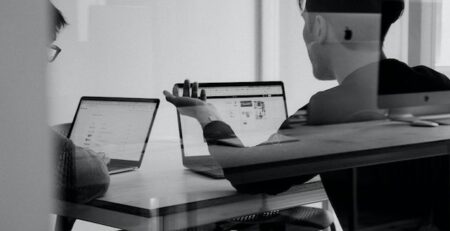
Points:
[391,10]
[57,21]
[325,31]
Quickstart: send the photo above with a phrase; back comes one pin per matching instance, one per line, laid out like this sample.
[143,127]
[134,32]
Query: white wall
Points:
[139,48]
[24,155]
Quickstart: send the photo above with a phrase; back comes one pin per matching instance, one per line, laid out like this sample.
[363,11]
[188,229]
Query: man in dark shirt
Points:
[384,190]
[81,175]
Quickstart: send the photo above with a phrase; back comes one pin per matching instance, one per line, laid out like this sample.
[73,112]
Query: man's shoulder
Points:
[334,91]
[337,93]
[397,77]
[353,100]
[60,143]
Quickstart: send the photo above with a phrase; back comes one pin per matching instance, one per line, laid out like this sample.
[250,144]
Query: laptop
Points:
[255,111]
[118,127]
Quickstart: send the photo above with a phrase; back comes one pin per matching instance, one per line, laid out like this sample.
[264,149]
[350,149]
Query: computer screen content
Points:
[119,129]
[253,112]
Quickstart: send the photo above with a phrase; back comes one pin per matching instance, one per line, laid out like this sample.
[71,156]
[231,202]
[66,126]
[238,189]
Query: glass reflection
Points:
[242,130]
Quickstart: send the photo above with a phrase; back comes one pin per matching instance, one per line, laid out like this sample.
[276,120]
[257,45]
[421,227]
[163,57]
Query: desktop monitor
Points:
[419,95]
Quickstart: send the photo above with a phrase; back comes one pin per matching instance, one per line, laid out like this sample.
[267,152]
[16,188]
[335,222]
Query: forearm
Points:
[92,177]
[215,131]
[218,130]
[80,175]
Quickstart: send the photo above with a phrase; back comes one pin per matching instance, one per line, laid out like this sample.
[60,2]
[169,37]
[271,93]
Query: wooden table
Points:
[163,195]
[334,147]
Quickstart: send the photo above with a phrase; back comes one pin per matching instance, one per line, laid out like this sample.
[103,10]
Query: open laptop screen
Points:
[118,128]
[255,111]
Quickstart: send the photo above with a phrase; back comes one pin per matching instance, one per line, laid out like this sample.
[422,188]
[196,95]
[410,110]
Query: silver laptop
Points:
[254,110]
[118,127]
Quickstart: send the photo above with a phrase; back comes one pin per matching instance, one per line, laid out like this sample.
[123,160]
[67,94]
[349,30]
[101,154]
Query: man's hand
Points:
[104,158]
[193,105]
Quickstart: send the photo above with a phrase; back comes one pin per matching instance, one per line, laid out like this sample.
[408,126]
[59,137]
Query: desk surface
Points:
[333,147]
[331,140]
[162,182]
[162,187]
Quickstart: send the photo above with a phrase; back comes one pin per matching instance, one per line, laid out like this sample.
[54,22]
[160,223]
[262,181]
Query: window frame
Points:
[425,34]
[269,40]
[439,25]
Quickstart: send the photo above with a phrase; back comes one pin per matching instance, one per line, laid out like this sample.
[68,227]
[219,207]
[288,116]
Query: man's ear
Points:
[320,29]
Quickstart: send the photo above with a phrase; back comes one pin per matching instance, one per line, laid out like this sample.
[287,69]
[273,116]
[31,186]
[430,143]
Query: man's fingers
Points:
[186,88]
[194,90]
[166,93]
[169,97]
[175,91]
[203,95]
[175,100]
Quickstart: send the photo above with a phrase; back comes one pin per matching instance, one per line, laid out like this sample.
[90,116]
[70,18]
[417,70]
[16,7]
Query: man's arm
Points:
[81,175]
[214,130]
[217,130]
[92,175]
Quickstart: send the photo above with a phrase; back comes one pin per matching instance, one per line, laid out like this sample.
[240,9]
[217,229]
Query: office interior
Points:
[138,48]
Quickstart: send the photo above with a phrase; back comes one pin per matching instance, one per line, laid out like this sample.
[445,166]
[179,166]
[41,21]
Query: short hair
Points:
[391,10]
[57,19]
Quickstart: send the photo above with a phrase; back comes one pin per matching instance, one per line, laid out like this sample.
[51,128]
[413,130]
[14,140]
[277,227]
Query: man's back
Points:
[391,187]
[356,98]
[398,78]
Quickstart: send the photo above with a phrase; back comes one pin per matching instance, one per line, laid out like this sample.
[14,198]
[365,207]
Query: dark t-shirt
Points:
[398,78]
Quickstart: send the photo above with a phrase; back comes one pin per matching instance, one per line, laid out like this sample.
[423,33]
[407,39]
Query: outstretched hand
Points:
[191,104]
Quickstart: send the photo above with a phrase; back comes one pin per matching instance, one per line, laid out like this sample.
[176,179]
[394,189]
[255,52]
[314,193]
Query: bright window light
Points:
[443,53]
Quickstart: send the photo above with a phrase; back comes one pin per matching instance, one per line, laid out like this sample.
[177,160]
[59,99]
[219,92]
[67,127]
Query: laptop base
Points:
[116,171]
[215,173]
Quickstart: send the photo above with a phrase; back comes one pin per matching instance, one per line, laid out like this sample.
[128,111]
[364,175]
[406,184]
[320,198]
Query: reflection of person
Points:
[391,189]
[81,175]
[355,65]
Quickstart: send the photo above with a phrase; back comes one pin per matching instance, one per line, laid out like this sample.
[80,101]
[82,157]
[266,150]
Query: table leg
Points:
[353,218]
[64,223]
[448,186]
[441,205]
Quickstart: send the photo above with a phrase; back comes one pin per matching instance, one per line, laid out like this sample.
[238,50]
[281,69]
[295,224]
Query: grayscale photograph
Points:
[225,115]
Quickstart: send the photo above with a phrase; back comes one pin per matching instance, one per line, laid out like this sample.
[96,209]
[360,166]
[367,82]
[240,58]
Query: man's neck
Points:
[350,61]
